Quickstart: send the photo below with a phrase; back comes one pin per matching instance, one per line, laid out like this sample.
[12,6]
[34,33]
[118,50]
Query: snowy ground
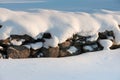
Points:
[102,65]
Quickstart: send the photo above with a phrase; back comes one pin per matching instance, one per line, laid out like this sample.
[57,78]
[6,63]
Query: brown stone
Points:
[6,41]
[65,45]
[18,52]
[50,52]
[53,52]
[0,55]
[63,53]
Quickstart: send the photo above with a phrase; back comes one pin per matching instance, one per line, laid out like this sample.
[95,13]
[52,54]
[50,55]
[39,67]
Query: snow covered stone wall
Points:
[51,33]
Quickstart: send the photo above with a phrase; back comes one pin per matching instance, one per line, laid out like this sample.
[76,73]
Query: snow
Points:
[106,43]
[34,46]
[37,45]
[88,48]
[15,42]
[1,48]
[72,49]
[53,42]
[102,65]
[62,25]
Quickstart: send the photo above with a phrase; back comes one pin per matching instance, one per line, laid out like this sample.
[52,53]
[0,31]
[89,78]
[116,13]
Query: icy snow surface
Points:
[102,65]
[62,25]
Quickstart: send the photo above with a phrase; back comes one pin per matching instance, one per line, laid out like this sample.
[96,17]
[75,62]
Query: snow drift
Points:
[62,25]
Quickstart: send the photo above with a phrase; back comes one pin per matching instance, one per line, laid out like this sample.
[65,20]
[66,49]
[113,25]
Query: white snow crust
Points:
[62,25]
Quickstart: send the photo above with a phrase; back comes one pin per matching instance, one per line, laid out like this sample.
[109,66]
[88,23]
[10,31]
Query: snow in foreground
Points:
[102,65]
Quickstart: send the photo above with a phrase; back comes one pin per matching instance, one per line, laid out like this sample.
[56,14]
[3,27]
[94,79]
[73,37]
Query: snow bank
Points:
[62,25]
[102,65]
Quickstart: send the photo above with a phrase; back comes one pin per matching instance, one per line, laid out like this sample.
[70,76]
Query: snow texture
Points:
[106,43]
[88,48]
[61,25]
[102,65]
[34,46]
[37,45]
[15,42]
[72,49]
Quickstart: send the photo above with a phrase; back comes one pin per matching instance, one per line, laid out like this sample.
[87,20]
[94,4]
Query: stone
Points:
[26,38]
[65,45]
[1,56]
[6,41]
[33,53]
[50,52]
[53,52]
[115,46]
[102,35]
[0,26]
[63,53]
[18,52]
[47,35]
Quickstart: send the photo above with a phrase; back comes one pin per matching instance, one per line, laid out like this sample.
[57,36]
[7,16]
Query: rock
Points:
[0,26]
[6,41]
[102,35]
[63,53]
[65,45]
[50,52]
[115,46]
[18,52]
[106,35]
[47,35]
[26,38]
[33,53]
[1,56]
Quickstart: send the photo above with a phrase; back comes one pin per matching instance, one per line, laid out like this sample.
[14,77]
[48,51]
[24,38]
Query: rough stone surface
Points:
[65,45]
[63,53]
[10,50]
[18,52]
[50,52]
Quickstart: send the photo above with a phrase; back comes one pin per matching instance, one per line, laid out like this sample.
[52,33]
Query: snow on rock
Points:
[39,55]
[28,46]
[72,49]
[61,25]
[36,45]
[53,42]
[89,48]
[15,42]
[1,48]
[106,43]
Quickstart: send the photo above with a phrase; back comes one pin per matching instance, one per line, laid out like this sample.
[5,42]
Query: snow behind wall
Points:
[62,25]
